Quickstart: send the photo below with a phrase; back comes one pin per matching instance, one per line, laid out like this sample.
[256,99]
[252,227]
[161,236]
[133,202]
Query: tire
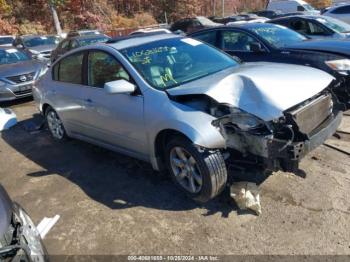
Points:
[202,176]
[55,125]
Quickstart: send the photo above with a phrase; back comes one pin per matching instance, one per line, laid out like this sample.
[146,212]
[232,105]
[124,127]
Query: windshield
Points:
[172,62]
[6,40]
[90,41]
[41,40]
[278,36]
[11,56]
[335,24]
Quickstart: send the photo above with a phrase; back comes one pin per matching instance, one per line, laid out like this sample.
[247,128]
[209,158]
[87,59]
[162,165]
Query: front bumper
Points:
[287,158]
[22,242]
[13,92]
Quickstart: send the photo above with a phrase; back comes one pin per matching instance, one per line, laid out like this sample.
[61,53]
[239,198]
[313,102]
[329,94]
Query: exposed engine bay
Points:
[278,144]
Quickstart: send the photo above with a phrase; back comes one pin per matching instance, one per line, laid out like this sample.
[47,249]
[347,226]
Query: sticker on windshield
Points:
[191,41]
[11,51]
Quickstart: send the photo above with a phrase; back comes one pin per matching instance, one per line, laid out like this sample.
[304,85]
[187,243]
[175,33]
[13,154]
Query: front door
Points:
[116,119]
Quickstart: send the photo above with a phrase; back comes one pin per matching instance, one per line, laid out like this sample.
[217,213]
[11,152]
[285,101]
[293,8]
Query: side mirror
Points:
[119,87]
[256,47]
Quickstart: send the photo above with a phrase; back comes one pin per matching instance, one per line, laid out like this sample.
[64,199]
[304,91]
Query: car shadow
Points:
[112,179]
[16,102]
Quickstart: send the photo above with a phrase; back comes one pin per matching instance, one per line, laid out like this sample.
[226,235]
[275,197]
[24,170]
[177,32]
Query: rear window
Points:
[69,69]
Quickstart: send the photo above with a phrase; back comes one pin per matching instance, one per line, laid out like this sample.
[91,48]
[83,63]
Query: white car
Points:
[6,40]
[291,6]
[341,12]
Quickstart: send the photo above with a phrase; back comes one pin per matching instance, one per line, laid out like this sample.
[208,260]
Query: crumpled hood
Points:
[5,211]
[262,89]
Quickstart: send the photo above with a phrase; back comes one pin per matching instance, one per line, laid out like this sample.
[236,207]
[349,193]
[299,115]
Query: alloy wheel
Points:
[186,170]
[55,125]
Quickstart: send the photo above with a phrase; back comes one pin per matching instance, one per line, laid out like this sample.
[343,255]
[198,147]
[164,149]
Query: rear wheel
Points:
[201,175]
[55,124]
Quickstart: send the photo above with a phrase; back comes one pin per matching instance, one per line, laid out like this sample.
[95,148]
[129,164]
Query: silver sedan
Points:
[188,108]
[17,73]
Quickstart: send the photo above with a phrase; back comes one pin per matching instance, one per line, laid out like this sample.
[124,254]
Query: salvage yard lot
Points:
[112,204]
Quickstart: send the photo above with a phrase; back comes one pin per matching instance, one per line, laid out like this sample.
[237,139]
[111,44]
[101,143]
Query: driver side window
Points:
[103,68]
[236,41]
[300,26]
[316,29]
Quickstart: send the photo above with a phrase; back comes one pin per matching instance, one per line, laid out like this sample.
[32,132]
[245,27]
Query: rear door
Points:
[67,91]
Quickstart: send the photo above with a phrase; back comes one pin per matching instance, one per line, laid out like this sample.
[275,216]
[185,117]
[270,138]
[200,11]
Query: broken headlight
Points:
[241,120]
[341,65]
[244,120]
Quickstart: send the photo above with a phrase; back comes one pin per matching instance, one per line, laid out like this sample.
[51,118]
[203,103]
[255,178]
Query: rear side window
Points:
[236,41]
[207,37]
[69,69]
[300,8]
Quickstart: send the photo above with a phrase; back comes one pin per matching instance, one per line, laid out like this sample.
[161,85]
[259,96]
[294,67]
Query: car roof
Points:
[139,39]
[36,36]
[83,37]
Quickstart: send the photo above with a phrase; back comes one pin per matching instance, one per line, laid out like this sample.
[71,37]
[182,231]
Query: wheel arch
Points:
[160,141]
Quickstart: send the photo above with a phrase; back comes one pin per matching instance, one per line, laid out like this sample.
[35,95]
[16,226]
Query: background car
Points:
[188,25]
[316,26]
[288,6]
[73,42]
[84,32]
[274,43]
[341,12]
[17,73]
[268,13]
[151,30]
[6,40]
[181,104]
[38,47]
[19,238]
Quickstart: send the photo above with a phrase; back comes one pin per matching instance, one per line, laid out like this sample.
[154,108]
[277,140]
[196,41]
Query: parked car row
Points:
[24,59]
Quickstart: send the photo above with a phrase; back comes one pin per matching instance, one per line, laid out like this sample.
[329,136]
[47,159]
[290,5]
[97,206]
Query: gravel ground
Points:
[112,204]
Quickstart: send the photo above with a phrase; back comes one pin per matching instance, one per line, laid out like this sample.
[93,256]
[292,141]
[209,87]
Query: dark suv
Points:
[188,25]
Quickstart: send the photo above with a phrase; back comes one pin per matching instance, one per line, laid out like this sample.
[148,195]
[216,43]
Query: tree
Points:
[52,5]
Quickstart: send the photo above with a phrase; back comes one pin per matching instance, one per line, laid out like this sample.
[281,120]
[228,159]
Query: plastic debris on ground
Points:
[246,196]
[46,225]
[7,118]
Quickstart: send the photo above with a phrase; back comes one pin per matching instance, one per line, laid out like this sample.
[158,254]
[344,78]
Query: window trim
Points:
[58,63]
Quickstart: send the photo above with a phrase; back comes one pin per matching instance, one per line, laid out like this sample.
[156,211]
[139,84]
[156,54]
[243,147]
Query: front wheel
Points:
[201,175]
[55,124]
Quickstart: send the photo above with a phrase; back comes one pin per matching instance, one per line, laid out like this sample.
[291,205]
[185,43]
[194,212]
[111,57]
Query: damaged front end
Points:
[281,143]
